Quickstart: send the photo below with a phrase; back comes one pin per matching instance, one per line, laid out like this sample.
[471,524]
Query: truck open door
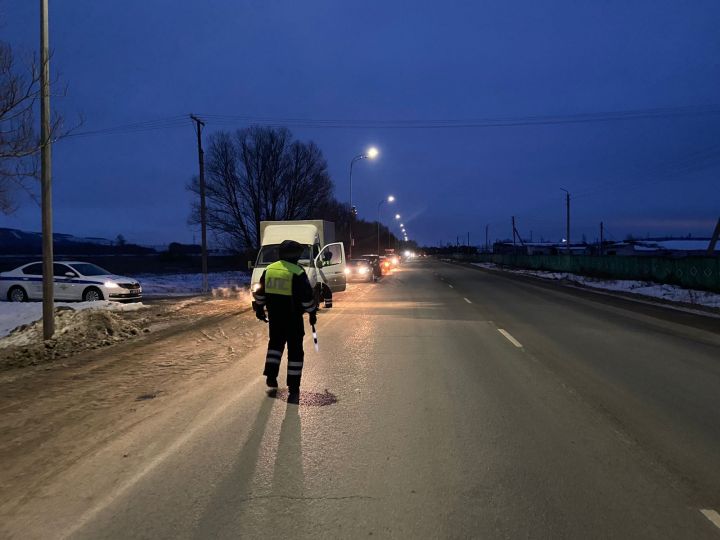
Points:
[330,263]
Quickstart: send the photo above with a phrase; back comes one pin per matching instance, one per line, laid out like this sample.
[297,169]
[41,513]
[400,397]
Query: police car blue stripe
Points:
[22,278]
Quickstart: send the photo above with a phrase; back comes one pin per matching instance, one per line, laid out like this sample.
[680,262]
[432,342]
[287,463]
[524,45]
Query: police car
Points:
[73,280]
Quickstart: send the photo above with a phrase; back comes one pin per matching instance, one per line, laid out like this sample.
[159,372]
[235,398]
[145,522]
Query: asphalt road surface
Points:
[445,402]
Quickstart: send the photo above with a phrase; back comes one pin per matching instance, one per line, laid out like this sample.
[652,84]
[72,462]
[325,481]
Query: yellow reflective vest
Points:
[279,277]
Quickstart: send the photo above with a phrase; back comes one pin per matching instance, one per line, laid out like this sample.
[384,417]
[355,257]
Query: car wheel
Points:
[92,294]
[17,294]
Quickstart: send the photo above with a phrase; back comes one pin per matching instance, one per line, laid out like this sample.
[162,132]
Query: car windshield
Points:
[271,253]
[358,262]
[88,269]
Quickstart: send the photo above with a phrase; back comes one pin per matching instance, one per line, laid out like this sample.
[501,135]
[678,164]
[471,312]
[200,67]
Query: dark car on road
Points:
[375,265]
[359,270]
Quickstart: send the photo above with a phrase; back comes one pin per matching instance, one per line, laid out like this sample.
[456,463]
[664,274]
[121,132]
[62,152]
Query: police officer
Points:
[285,290]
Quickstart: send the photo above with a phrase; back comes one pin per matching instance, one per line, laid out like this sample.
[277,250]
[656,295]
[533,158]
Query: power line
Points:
[137,127]
[328,123]
[470,123]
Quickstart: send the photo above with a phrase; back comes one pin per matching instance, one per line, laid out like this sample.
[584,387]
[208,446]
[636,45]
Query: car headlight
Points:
[111,285]
[347,271]
[255,287]
[363,270]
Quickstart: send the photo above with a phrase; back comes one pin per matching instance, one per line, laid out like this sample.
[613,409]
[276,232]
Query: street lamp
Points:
[389,199]
[397,216]
[371,153]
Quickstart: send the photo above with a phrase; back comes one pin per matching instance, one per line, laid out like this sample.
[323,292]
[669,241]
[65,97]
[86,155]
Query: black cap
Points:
[290,251]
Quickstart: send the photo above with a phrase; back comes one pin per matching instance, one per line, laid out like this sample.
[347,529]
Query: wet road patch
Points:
[307,399]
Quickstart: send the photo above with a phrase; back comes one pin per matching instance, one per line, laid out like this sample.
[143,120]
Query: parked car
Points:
[374,261]
[359,270]
[73,280]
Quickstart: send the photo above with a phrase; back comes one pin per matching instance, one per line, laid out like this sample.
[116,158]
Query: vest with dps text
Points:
[279,278]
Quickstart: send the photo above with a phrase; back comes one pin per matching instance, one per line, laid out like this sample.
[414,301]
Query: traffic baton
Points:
[317,349]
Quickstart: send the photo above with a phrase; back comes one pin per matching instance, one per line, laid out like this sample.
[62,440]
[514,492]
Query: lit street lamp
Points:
[389,199]
[371,153]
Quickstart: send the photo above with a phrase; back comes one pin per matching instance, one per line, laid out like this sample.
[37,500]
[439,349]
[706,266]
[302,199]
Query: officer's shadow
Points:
[288,476]
[238,506]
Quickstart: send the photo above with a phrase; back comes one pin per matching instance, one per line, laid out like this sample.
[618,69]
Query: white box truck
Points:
[323,259]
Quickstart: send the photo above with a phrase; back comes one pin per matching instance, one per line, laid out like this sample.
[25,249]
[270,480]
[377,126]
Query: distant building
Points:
[663,247]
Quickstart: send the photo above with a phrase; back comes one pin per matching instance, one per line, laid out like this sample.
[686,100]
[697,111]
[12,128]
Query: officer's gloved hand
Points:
[260,314]
[313,318]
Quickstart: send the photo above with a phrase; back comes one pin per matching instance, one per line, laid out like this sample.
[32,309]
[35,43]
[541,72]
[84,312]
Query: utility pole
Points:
[487,246]
[199,124]
[468,244]
[602,234]
[46,175]
[567,235]
[513,226]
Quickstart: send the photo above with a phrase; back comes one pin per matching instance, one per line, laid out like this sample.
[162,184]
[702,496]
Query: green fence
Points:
[689,272]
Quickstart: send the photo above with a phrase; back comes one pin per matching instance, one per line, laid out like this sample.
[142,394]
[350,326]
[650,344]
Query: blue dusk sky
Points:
[380,64]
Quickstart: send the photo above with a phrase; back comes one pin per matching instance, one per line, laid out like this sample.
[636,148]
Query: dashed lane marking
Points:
[510,338]
[450,286]
[468,301]
[713,516]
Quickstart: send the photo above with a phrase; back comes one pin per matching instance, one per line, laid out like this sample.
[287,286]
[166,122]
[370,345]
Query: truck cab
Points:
[324,263]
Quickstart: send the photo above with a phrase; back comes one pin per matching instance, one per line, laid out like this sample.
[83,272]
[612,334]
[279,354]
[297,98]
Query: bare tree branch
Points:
[19,143]
[256,175]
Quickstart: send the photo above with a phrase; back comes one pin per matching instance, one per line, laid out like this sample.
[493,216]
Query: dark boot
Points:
[271,382]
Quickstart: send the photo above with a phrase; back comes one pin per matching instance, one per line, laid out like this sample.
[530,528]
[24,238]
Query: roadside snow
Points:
[19,324]
[646,288]
[184,284]
[15,314]
[78,327]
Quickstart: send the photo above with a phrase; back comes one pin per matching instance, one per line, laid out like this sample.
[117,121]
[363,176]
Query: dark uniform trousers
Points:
[286,330]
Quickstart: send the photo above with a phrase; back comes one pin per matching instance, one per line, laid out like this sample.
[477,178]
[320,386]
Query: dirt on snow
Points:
[77,331]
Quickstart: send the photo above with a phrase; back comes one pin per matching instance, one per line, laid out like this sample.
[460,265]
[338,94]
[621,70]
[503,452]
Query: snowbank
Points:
[78,327]
[646,288]
[15,314]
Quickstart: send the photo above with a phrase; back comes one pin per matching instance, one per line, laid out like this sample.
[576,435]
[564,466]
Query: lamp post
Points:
[371,153]
[397,218]
[389,199]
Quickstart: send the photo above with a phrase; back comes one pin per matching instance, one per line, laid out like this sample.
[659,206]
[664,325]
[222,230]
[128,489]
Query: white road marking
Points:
[510,338]
[713,516]
[468,301]
[450,286]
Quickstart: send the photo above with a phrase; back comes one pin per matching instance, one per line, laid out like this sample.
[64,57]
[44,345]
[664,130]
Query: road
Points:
[445,402]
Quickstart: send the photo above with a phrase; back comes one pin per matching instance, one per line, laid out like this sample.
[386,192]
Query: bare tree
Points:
[19,144]
[259,174]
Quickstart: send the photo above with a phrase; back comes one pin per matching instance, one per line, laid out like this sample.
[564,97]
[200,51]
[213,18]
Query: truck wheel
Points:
[318,296]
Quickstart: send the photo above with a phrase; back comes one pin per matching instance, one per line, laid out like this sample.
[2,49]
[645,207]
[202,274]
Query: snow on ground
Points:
[78,327]
[221,283]
[673,293]
[15,314]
